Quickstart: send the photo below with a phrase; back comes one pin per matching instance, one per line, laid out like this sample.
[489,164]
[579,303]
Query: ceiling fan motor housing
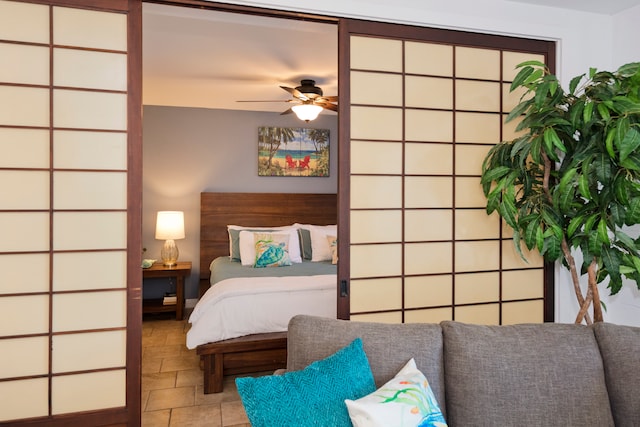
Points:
[309,87]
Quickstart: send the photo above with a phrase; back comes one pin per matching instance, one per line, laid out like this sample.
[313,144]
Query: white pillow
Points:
[406,400]
[248,248]
[234,249]
[320,249]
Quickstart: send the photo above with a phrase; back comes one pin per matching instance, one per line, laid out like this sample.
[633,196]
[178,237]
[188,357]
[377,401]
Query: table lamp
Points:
[169,227]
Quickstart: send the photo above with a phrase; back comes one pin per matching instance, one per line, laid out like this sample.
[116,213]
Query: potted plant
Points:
[571,180]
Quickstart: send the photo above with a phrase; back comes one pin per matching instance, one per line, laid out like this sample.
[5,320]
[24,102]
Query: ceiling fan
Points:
[309,100]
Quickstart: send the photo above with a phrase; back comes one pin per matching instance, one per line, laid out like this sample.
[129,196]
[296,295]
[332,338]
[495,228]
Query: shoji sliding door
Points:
[69,213]
[421,109]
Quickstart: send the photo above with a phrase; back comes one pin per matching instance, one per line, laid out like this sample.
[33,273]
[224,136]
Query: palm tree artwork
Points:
[293,152]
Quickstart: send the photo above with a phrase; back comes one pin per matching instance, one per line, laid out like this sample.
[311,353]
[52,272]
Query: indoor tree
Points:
[571,180]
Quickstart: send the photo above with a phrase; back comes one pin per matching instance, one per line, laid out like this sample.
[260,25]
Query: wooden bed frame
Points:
[259,352]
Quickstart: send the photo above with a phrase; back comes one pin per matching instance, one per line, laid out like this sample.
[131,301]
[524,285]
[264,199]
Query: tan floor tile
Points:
[195,416]
[233,413]
[144,399]
[155,339]
[228,394]
[184,362]
[171,398]
[156,418]
[151,366]
[189,377]
[156,351]
[177,338]
[159,380]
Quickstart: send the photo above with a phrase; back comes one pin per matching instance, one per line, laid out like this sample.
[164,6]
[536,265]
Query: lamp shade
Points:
[170,225]
[307,112]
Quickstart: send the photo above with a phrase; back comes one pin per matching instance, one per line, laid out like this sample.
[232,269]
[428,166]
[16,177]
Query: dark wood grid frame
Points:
[259,352]
[130,414]
[349,27]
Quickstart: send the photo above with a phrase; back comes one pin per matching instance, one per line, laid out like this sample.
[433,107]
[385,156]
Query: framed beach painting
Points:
[293,152]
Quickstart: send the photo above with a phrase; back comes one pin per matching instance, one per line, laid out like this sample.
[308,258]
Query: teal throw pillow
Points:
[313,396]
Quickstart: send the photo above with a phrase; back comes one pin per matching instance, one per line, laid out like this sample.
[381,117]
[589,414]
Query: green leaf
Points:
[567,178]
[549,148]
[588,112]
[609,142]
[494,174]
[574,83]
[516,244]
[618,214]
[518,110]
[627,242]
[594,243]
[604,112]
[632,162]
[530,234]
[603,232]
[531,62]
[536,75]
[552,248]
[628,70]
[611,260]
[522,75]
[583,186]
[629,143]
[603,167]
[574,225]
[588,225]
[508,211]
[633,211]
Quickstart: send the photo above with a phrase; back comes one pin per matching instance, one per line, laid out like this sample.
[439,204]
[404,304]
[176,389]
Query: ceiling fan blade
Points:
[329,98]
[289,111]
[275,100]
[328,106]
[296,93]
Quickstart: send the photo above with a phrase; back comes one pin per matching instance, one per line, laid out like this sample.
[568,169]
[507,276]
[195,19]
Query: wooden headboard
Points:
[217,210]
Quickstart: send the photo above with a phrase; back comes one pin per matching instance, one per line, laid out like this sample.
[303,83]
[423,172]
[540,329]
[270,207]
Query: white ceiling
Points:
[200,58]
[208,59]
[604,7]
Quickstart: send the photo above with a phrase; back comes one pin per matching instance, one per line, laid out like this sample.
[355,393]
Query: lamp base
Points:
[169,253]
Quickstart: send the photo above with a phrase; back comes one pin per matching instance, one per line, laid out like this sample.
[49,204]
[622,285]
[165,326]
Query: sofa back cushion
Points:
[388,347]
[544,374]
[620,350]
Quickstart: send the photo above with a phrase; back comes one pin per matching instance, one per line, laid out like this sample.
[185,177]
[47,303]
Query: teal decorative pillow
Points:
[313,396]
[272,250]
[406,400]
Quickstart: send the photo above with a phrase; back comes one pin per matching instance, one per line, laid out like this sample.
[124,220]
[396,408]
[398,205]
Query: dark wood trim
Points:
[438,35]
[248,10]
[106,5]
[344,171]
[250,353]
[134,216]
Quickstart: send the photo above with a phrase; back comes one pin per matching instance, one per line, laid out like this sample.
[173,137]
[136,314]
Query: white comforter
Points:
[242,306]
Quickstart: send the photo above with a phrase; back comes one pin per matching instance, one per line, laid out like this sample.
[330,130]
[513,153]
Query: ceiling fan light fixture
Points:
[307,112]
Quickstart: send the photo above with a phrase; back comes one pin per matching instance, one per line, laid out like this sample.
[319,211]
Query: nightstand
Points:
[179,271]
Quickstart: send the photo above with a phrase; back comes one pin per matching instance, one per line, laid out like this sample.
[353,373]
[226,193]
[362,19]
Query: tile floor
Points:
[172,382]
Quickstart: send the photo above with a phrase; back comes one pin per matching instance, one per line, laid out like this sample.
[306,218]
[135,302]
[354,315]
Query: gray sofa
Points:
[522,375]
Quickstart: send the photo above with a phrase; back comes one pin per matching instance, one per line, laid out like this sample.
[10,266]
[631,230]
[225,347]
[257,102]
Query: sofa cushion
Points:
[406,400]
[388,346]
[544,374]
[620,350]
[315,393]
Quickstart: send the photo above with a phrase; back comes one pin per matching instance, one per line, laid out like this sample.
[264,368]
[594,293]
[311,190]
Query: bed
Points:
[230,338]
